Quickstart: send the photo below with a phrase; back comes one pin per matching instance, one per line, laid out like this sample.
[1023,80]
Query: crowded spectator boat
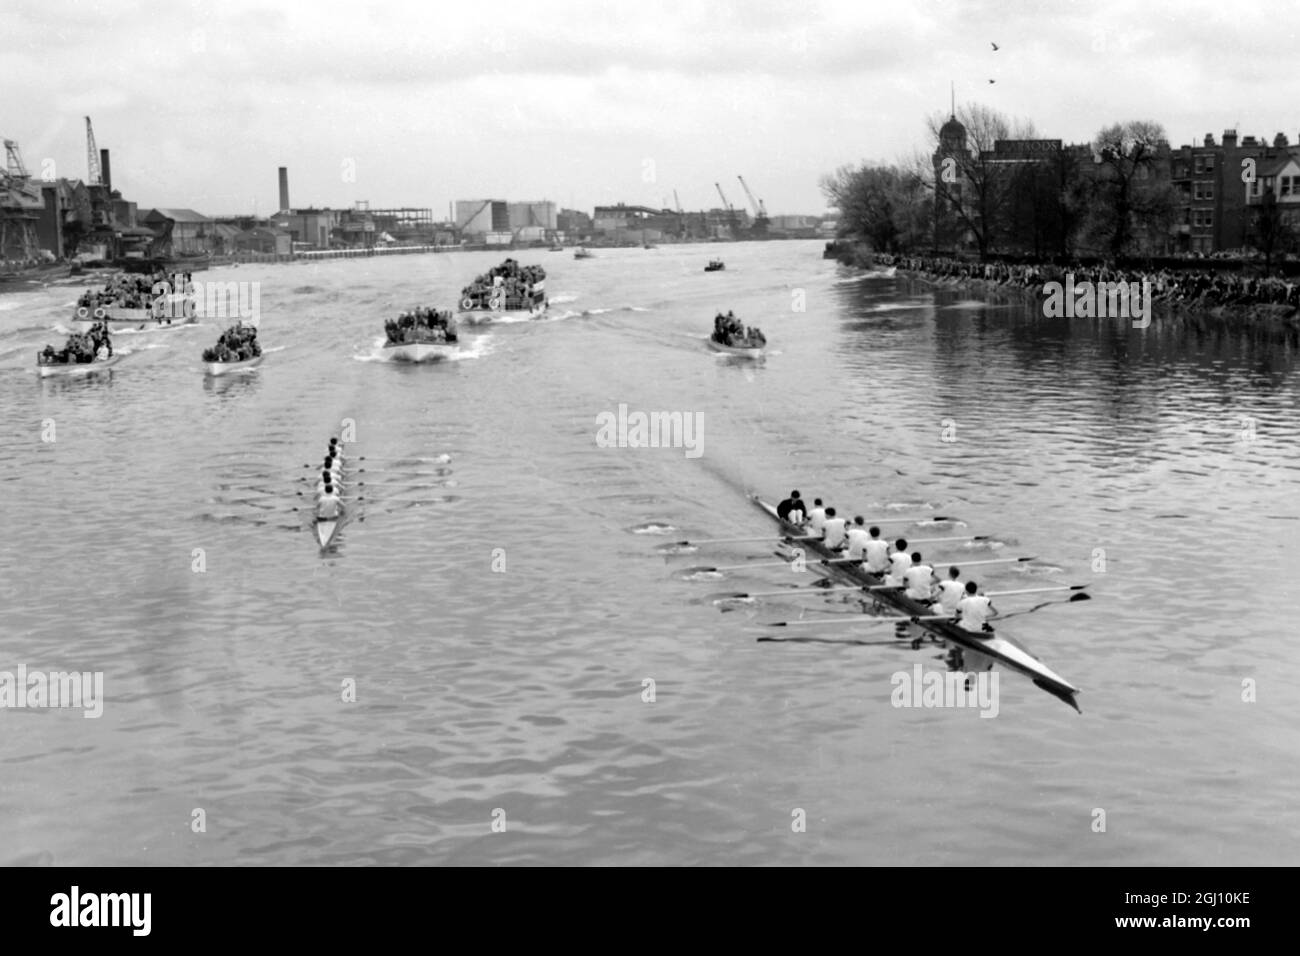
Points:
[421,335]
[505,290]
[236,350]
[83,354]
[732,337]
[131,300]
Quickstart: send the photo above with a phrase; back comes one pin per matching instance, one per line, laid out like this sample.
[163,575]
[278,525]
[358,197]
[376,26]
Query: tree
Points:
[1130,201]
[971,185]
[1271,232]
[883,206]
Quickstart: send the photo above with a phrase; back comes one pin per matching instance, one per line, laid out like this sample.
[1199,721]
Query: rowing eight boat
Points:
[327,528]
[997,648]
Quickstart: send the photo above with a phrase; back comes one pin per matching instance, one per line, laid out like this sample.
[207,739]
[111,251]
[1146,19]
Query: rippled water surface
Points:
[521,689]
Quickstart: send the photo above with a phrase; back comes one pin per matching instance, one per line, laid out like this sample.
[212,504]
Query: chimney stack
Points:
[105,172]
[1229,139]
[284,188]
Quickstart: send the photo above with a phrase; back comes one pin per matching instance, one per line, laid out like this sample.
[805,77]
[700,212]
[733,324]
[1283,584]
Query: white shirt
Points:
[877,555]
[834,532]
[857,542]
[919,578]
[950,594]
[816,519]
[899,562]
[974,611]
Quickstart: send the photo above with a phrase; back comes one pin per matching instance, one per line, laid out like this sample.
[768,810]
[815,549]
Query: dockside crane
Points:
[760,211]
[95,175]
[731,212]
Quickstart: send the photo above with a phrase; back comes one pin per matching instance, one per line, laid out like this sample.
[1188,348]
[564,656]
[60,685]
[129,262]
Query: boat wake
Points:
[652,527]
[470,348]
[563,299]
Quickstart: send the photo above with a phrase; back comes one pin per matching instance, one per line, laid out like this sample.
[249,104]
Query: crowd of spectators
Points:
[1189,288]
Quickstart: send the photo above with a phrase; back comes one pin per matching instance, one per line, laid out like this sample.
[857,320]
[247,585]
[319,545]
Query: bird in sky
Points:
[992,81]
[995,46]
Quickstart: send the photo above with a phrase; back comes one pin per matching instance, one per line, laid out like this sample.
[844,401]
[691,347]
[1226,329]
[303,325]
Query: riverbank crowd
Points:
[1194,288]
[507,286]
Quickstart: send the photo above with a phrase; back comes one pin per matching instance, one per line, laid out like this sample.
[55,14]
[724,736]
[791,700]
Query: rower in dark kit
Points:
[792,509]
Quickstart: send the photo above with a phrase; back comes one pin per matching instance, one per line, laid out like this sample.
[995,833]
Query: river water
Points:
[499,614]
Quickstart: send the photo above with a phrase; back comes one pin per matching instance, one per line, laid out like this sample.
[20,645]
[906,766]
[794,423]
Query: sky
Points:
[583,103]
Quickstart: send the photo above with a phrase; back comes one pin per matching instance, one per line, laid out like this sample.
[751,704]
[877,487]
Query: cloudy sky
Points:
[421,103]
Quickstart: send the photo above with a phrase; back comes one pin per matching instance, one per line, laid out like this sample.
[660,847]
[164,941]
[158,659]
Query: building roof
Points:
[263,232]
[177,215]
[1271,167]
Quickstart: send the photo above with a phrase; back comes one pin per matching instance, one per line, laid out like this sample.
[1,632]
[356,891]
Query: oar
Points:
[792,592]
[978,537]
[1080,596]
[737,567]
[811,537]
[972,564]
[863,620]
[1065,587]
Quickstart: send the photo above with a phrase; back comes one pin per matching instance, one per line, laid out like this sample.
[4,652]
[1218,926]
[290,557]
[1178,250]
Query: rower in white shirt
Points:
[328,506]
[833,531]
[816,517]
[949,593]
[974,611]
[877,552]
[899,562]
[919,579]
[327,478]
[857,539]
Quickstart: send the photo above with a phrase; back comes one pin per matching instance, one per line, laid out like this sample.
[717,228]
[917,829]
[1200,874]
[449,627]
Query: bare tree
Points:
[882,205]
[972,186]
[1128,195]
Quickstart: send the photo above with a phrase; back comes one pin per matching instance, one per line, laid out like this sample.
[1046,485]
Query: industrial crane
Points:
[95,174]
[731,211]
[760,211]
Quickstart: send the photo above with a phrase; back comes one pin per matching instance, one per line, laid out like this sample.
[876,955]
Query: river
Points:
[464,679]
